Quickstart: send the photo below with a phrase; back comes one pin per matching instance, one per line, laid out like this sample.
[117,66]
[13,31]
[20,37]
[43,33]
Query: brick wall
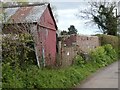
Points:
[83,42]
[70,45]
[87,43]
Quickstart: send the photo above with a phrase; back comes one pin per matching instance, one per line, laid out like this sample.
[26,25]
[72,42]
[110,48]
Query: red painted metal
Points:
[47,21]
[47,35]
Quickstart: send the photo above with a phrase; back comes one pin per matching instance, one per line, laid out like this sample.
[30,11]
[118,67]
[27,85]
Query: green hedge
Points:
[104,55]
[108,39]
[33,77]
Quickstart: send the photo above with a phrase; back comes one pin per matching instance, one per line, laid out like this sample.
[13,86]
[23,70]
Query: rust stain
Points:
[21,13]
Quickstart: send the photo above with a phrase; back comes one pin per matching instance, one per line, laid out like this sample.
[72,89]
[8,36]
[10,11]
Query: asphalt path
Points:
[104,78]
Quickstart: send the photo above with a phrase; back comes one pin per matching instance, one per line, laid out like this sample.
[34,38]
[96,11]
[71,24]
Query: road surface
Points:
[104,78]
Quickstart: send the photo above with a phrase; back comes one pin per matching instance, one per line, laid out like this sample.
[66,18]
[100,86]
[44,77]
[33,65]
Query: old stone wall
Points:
[87,43]
[72,45]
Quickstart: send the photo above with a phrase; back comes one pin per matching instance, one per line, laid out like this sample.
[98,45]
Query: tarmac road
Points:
[104,78]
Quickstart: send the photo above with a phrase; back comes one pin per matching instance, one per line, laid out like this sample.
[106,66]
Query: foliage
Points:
[72,30]
[108,39]
[79,61]
[103,55]
[110,51]
[106,19]
[64,32]
[102,14]
[18,49]
[33,77]
[12,77]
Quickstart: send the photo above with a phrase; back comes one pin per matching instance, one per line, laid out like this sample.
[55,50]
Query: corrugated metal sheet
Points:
[9,12]
[35,13]
[24,14]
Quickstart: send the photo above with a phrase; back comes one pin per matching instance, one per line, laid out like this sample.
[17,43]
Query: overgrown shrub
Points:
[110,51]
[109,39]
[79,61]
[98,56]
[103,55]
[18,49]
[12,77]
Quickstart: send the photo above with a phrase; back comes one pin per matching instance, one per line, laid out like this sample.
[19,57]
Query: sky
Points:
[67,10]
[67,16]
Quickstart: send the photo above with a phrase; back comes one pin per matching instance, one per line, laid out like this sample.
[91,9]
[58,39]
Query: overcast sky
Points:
[67,16]
[67,10]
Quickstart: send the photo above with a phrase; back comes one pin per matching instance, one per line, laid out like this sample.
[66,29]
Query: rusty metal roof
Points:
[26,14]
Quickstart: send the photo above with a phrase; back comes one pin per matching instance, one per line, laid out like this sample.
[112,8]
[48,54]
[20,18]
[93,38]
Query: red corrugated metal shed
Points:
[45,26]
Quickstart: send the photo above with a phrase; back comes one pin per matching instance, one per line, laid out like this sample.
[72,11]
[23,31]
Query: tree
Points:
[103,15]
[72,30]
[64,32]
